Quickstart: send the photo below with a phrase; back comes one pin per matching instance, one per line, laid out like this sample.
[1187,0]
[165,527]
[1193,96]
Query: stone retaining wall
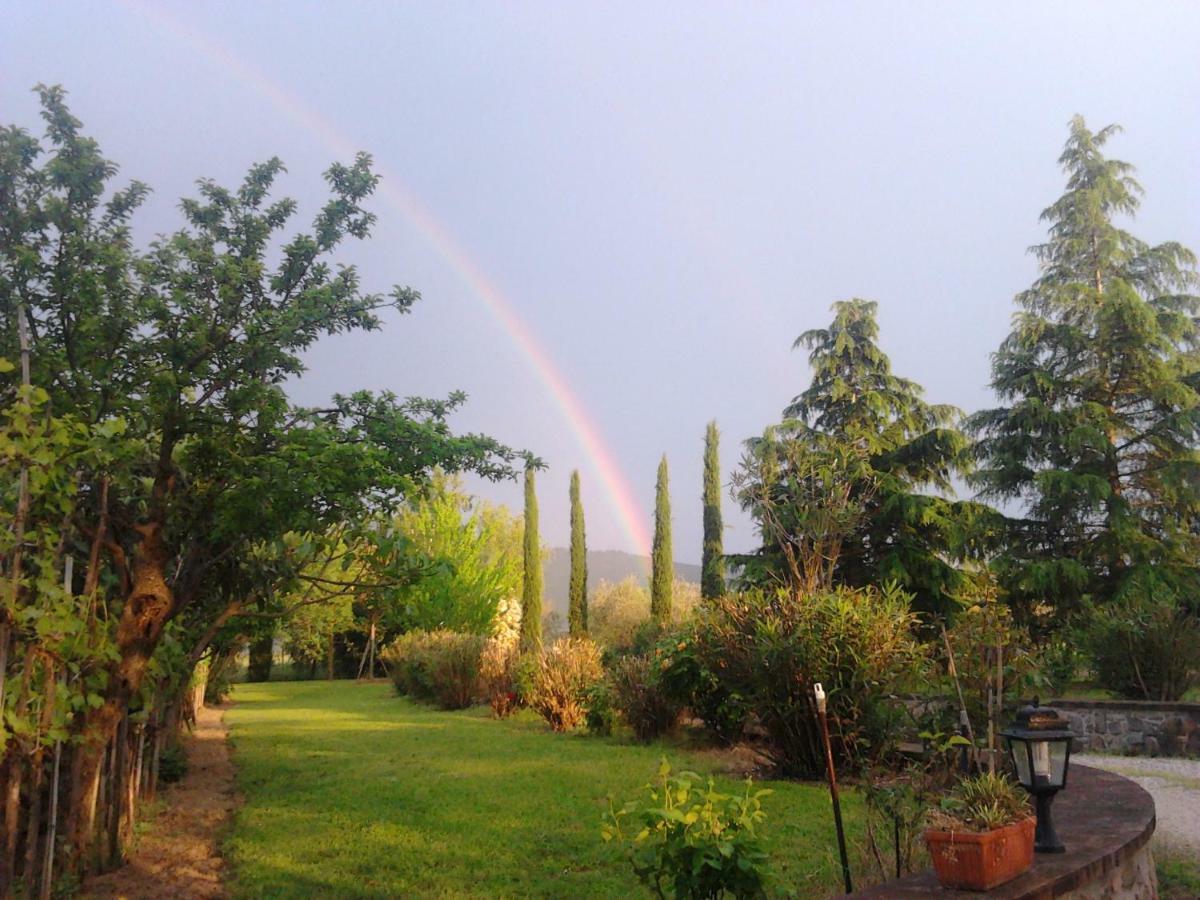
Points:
[1133,727]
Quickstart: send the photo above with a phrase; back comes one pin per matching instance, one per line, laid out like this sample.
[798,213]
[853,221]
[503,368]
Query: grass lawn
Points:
[351,791]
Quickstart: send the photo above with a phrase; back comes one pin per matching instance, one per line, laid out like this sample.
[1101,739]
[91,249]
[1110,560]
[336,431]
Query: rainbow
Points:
[616,488]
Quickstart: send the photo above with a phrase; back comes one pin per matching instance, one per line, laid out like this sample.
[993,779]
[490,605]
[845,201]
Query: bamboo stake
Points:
[962,704]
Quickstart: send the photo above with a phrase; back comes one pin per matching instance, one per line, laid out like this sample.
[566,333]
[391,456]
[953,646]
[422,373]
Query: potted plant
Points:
[981,834]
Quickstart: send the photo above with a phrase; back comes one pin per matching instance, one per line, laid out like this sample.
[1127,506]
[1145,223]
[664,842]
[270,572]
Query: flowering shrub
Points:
[690,840]
[641,697]
[560,683]
[441,667]
[497,670]
[760,654]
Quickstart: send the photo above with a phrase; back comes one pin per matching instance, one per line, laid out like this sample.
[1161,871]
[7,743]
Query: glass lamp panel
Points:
[1020,754]
[1058,761]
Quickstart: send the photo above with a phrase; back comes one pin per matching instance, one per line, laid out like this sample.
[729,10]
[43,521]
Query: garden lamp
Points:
[1039,741]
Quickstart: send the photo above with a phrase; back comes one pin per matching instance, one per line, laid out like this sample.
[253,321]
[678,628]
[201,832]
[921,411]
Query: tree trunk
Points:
[262,655]
[142,620]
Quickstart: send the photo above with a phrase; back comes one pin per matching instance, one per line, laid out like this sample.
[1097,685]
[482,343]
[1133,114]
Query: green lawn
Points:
[351,791]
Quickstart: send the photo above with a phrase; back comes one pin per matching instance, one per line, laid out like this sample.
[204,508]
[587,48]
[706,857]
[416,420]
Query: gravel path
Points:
[1175,786]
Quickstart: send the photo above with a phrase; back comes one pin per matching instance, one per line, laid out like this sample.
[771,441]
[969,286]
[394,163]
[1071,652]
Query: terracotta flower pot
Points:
[979,862]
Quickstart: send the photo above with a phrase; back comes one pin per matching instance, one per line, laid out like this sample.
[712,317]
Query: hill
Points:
[603,565]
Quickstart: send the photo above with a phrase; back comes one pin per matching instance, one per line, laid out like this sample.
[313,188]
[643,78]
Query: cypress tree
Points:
[662,565]
[531,585]
[577,611]
[712,559]
[1096,439]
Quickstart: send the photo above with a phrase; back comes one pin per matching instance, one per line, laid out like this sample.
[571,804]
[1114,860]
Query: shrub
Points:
[762,652]
[978,630]
[689,840]
[601,714]
[561,681]
[442,667]
[1145,646]
[980,803]
[695,674]
[641,697]
[497,670]
[407,659]
[172,764]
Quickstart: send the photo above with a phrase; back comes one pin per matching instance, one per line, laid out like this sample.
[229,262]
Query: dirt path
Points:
[178,856]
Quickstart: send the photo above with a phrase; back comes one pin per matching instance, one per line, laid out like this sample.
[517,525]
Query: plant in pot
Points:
[981,834]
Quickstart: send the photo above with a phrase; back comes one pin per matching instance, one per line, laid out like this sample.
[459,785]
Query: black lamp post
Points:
[1039,741]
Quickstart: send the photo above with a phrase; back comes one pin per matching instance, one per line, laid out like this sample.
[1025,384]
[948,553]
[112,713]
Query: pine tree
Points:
[577,611]
[712,559]
[909,530]
[662,565]
[1096,440]
[531,591]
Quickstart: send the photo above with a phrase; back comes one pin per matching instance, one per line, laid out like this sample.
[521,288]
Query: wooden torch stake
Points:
[819,694]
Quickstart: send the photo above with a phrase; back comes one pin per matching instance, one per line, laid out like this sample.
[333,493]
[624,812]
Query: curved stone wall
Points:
[1105,821]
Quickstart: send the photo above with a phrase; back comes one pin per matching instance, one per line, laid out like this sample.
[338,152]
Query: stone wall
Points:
[1133,879]
[1133,727]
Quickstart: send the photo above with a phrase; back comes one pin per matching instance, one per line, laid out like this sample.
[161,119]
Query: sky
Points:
[621,215]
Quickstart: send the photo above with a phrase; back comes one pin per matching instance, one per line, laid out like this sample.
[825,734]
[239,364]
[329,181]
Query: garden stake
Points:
[819,694]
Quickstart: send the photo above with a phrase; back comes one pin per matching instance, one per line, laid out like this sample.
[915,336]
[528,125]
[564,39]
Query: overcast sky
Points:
[663,194]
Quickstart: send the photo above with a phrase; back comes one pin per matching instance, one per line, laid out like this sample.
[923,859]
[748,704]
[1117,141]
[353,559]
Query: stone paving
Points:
[1175,786]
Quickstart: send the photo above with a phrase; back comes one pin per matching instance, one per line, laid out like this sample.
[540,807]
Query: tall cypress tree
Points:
[577,611]
[910,531]
[712,559]
[662,564]
[531,586]
[1096,438]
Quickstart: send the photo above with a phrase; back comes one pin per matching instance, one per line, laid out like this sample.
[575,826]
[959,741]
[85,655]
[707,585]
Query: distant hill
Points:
[603,565]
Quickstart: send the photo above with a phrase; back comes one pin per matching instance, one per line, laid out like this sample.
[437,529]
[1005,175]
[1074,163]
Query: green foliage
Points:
[1096,440]
[1178,873]
[172,764]
[564,675]
[474,549]
[190,471]
[980,803]
[643,700]
[807,497]
[983,627]
[662,560]
[712,558]
[1145,645]
[312,623]
[442,667]
[693,841]
[695,673]
[602,712]
[531,586]
[894,456]
[577,606]
[762,652]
